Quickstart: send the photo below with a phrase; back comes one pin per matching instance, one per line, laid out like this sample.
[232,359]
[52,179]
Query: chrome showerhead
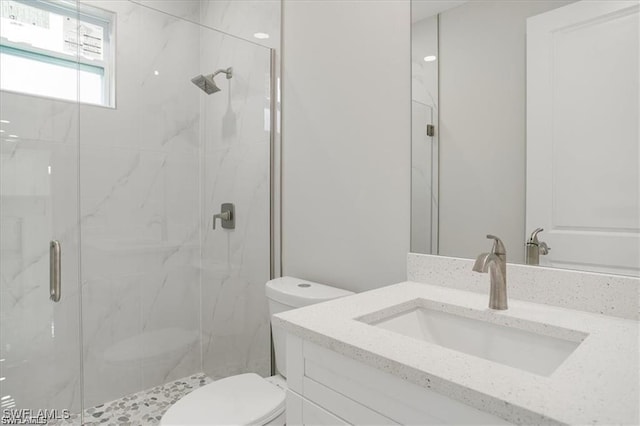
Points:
[206,82]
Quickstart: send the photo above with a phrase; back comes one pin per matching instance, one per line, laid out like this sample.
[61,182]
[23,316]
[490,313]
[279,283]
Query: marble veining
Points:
[139,205]
[33,170]
[235,168]
[152,170]
[244,19]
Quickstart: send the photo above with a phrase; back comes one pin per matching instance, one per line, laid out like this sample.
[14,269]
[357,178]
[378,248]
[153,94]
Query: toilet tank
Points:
[288,293]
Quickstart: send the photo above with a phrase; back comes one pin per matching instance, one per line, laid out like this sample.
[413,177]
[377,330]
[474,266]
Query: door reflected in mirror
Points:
[534,108]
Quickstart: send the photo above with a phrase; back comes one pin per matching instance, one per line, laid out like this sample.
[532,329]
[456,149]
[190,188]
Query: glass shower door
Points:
[39,337]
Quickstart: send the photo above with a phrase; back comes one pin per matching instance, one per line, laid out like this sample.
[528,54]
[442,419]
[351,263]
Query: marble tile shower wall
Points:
[235,125]
[140,210]
[36,172]
[244,19]
[152,172]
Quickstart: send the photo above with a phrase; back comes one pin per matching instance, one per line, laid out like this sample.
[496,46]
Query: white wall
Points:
[482,125]
[346,140]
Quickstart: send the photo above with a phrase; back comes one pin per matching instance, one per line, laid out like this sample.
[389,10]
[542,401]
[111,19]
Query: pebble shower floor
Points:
[139,409]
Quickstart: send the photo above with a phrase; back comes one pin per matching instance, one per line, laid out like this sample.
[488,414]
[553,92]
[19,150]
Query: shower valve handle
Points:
[227,216]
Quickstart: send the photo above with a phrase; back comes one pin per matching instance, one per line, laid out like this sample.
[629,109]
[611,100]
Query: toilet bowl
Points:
[248,399]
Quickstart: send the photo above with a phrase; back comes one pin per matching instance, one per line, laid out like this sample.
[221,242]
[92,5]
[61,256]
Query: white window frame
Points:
[82,12]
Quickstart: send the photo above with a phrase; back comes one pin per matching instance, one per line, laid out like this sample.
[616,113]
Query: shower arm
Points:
[228,72]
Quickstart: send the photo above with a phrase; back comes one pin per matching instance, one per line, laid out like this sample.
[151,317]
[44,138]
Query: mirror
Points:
[524,116]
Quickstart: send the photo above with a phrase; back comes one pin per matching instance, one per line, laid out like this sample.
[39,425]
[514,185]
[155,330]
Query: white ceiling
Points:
[421,9]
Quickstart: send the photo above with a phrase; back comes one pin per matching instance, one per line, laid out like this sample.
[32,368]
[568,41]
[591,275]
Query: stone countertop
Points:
[598,383]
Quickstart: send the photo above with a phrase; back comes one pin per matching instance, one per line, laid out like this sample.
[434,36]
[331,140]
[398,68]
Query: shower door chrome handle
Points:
[55,283]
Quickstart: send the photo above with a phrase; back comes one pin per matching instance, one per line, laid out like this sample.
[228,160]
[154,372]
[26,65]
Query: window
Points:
[57,49]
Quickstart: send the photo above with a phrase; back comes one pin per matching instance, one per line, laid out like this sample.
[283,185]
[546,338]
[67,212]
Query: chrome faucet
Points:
[496,264]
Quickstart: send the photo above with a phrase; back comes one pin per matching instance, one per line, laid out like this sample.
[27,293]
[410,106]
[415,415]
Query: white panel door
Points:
[582,135]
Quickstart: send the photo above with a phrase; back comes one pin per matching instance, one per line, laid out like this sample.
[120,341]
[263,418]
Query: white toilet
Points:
[248,399]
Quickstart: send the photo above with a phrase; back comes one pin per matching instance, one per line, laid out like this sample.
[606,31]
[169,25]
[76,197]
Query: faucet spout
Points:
[482,262]
[495,263]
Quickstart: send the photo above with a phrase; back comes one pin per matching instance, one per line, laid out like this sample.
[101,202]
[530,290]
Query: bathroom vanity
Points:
[429,351]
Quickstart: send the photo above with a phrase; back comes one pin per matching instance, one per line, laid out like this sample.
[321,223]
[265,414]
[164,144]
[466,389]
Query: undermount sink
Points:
[526,350]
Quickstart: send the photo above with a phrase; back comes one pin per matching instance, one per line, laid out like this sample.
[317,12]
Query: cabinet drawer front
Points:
[315,415]
[301,411]
[393,398]
[344,407]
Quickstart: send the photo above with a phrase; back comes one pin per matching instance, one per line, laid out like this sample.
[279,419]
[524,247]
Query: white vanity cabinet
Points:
[326,388]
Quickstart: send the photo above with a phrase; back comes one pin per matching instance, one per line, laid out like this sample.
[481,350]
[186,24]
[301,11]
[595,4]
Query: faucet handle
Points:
[544,248]
[498,246]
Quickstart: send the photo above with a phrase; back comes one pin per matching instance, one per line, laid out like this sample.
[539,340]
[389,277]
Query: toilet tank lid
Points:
[296,292]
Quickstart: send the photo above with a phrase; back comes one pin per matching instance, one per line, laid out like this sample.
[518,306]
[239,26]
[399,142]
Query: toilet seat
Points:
[245,399]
